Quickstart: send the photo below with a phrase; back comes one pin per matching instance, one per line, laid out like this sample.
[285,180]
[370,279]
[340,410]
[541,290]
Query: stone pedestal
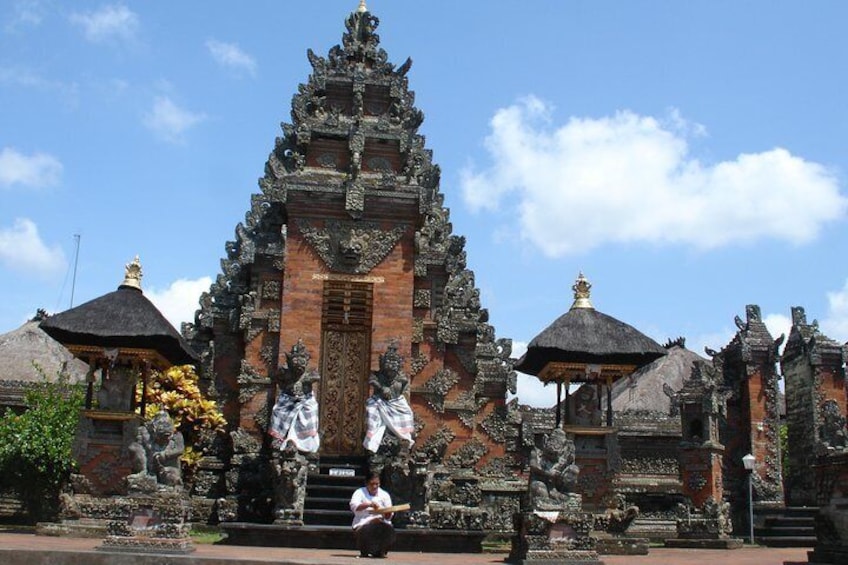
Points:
[831,479]
[707,528]
[157,523]
[101,448]
[620,545]
[551,537]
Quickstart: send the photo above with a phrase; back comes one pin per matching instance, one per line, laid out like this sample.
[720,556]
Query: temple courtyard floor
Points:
[29,549]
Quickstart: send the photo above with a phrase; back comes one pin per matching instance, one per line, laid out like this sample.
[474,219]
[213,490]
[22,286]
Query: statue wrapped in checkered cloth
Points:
[294,418]
[387,406]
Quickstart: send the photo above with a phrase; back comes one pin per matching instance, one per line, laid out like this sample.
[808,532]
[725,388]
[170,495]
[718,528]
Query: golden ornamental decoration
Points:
[133,274]
[582,289]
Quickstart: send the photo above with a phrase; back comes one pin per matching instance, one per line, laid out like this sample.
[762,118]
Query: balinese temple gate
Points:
[348,251]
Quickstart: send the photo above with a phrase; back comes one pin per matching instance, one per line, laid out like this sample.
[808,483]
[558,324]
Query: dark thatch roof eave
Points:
[584,335]
[123,318]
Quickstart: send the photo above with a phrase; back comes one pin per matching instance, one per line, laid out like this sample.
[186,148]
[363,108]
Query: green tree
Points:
[35,446]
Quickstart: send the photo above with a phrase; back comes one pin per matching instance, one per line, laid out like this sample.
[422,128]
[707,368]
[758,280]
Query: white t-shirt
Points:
[365,515]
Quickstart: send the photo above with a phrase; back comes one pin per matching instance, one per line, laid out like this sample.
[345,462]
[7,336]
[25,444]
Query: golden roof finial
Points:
[582,289]
[362,8]
[132,276]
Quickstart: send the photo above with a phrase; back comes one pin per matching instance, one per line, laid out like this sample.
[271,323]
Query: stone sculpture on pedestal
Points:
[554,529]
[294,433]
[156,456]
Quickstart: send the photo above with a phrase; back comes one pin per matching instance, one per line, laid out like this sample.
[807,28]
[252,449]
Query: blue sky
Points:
[689,157]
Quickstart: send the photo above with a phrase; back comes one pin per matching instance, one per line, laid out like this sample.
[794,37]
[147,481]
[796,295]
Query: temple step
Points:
[787,527]
[341,537]
[328,492]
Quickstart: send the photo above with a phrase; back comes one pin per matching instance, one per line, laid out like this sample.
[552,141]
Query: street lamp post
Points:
[749,461]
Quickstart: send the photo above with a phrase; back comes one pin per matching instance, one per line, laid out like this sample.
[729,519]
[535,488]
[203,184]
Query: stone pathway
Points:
[29,549]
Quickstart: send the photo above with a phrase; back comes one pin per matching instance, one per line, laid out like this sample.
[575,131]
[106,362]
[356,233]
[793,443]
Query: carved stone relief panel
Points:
[351,247]
[437,388]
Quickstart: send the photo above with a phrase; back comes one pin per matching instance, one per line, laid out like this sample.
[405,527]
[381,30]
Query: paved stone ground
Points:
[29,549]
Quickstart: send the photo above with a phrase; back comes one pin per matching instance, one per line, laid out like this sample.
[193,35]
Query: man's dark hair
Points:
[371,476]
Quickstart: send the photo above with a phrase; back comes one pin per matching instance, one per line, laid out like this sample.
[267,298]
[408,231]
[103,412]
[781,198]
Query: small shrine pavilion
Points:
[588,348]
[123,337]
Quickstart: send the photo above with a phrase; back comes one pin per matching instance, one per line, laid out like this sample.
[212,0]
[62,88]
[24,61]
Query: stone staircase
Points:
[327,518]
[793,526]
[328,492]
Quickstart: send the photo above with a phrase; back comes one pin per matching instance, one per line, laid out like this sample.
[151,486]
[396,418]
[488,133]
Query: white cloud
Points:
[230,55]
[37,170]
[179,301]
[714,340]
[778,324]
[629,178]
[109,22]
[529,389]
[28,13]
[169,121]
[27,78]
[835,324]
[22,250]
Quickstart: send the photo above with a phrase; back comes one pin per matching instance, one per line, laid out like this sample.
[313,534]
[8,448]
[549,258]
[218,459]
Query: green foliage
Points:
[35,446]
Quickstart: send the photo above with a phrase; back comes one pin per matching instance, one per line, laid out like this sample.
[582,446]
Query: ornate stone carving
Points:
[495,424]
[273,321]
[553,474]
[290,471]
[271,290]
[832,431]
[437,388]
[469,454]
[710,521]
[418,363]
[250,382]
[348,247]
[417,330]
[648,464]
[421,298]
[434,448]
[156,456]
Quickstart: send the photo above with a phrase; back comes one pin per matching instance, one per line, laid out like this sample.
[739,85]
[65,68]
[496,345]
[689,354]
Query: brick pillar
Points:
[702,404]
[812,364]
[752,426]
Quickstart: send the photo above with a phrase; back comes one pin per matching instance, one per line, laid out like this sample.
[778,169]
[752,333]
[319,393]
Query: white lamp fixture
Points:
[748,461]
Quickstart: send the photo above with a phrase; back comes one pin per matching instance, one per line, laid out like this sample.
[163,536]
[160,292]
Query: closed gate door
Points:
[345,356]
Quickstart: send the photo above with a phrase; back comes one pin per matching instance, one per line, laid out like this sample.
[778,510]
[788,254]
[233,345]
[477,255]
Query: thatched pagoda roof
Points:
[584,335]
[647,389]
[123,318]
[24,348]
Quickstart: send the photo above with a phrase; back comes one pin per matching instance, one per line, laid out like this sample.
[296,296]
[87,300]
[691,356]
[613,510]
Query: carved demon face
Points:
[353,246]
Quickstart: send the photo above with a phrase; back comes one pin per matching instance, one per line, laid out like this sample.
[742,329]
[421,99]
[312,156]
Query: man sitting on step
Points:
[374,531]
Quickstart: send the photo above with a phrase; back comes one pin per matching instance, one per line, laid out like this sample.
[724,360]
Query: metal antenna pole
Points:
[77,237]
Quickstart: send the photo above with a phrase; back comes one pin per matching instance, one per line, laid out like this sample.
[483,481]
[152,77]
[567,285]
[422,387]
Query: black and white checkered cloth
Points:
[296,420]
[381,414]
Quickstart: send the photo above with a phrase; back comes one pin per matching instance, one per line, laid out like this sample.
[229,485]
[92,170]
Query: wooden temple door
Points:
[345,360]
